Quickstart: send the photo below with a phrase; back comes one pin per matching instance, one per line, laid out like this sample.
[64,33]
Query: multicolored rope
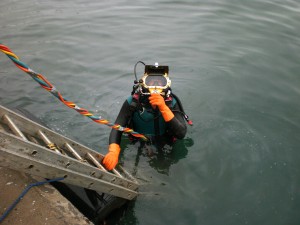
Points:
[49,87]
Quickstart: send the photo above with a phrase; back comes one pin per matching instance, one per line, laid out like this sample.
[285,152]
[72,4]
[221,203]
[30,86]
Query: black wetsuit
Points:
[175,128]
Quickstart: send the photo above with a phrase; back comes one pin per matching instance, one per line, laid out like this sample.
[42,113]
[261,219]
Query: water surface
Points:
[235,66]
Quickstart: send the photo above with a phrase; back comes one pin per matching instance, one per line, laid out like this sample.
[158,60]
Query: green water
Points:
[235,66]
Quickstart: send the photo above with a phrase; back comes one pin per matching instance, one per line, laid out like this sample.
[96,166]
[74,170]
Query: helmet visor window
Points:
[154,80]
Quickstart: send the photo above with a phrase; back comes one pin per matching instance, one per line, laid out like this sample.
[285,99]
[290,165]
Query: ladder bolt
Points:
[33,153]
[30,166]
[90,185]
[93,173]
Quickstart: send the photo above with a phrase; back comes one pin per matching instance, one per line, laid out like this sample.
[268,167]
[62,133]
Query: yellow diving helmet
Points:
[156,79]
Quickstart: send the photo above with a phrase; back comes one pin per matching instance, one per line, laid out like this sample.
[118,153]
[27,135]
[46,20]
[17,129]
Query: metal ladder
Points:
[32,148]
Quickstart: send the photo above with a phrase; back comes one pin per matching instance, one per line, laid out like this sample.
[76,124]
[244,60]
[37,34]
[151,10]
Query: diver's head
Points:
[156,80]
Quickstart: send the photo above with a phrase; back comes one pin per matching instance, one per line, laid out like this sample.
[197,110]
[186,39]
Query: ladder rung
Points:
[13,127]
[100,157]
[127,174]
[95,161]
[117,173]
[74,153]
[47,141]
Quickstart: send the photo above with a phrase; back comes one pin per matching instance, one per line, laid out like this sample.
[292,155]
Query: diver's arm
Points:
[122,119]
[112,157]
[177,126]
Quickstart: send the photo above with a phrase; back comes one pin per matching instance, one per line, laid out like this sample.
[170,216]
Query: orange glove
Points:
[111,158]
[157,100]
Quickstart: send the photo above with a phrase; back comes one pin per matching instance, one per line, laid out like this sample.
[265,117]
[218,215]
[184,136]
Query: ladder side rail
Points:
[32,127]
[41,153]
[26,164]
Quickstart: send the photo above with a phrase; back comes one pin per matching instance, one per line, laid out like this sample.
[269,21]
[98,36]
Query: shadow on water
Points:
[123,215]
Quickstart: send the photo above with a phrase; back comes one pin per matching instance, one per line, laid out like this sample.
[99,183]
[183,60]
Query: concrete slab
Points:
[42,205]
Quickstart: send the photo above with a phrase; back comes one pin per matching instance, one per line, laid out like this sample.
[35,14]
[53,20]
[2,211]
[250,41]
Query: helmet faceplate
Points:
[156,79]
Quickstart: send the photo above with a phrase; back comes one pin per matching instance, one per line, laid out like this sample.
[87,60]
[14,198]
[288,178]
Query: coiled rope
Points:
[5,214]
[50,88]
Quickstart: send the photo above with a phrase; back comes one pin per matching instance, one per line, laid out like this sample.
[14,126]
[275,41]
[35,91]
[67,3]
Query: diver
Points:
[152,110]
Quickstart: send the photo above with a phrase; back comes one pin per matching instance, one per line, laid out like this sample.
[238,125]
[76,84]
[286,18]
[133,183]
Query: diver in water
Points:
[152,110]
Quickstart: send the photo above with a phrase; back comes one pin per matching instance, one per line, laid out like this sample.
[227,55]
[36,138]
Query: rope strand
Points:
[50,88]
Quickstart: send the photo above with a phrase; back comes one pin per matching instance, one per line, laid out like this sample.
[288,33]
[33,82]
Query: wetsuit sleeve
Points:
[122,119]
[177,127]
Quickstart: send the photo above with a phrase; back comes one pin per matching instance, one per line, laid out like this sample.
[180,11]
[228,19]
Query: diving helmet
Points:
[156,79]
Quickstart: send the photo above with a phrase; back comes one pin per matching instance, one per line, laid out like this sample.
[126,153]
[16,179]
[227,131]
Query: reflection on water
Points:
[161,156]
